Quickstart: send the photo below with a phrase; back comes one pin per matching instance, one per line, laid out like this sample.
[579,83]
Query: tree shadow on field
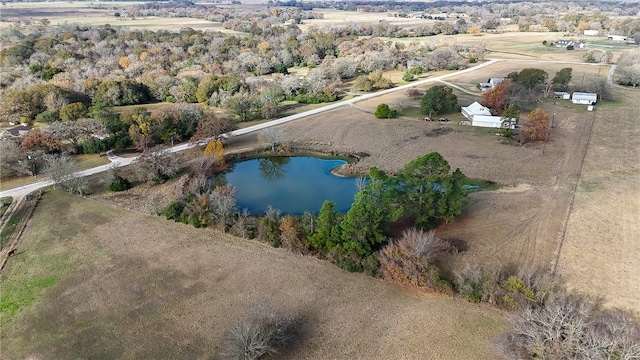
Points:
[438,132]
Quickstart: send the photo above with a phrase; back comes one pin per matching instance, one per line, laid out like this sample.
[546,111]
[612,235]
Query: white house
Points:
[591,32]
[475,109]
[584,98]
[481,116]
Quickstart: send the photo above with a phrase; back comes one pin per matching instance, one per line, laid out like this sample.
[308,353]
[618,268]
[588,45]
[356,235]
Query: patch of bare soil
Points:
[149,288]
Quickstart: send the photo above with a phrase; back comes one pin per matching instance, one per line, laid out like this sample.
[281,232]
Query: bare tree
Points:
[156,165]
[571,326]
[15,158]
[61,169]
[272,137]
[222,204]
[77,131]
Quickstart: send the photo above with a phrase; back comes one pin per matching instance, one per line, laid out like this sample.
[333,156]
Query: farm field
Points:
[114,283]
[60,13]
[508,45]
[340,18]
[521,223]
[601,251]
[524,222]
[580,72]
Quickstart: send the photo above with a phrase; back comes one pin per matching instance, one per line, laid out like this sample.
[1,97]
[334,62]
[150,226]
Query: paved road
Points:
[117,161]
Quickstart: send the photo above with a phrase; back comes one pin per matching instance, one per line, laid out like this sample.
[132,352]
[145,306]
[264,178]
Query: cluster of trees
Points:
[520,89]
[91,69]
[439,99]
[424,193]
[628,69]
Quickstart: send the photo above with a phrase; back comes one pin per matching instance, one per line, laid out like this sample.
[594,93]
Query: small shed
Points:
[562,95]
[584,98]
[591,32]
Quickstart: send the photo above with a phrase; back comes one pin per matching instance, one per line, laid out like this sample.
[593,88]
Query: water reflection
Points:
[273,168]
[291,184]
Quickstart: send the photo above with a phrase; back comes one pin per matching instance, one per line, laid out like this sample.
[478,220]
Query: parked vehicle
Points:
[428,118]
[443,119]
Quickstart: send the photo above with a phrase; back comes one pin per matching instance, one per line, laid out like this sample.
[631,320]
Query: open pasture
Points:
[579,73]
[113,283]
[333,17]
[519,223]
[601,252]
[509,45]
[85,13]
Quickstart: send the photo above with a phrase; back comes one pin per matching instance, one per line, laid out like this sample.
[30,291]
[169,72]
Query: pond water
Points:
[292,184]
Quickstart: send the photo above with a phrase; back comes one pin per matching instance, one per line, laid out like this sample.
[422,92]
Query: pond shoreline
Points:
[348,170]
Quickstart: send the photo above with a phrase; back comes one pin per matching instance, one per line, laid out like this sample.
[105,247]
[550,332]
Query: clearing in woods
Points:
[114,283]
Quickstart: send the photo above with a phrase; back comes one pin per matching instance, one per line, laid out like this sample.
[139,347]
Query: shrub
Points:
[174,211]
[119,184]
[503,288]
[48,116]
[263,332]
[383,111]
[410,259]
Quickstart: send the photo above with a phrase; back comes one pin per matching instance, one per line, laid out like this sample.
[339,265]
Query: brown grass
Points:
[601,252]
[128,285]
[580,73]
[59,13]
[519,223]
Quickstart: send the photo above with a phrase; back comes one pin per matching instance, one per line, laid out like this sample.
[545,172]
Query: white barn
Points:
[475,109]
[481,116]
[584,98]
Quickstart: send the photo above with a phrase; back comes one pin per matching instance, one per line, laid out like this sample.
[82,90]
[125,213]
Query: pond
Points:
[291,184]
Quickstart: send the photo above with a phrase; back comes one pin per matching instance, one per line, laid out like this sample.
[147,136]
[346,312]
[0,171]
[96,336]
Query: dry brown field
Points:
[86,13]
[333,17]
[519,223]
[601,251]
[524,222]
[134,286]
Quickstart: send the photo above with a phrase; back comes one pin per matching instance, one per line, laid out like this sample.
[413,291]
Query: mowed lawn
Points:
[93,281]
